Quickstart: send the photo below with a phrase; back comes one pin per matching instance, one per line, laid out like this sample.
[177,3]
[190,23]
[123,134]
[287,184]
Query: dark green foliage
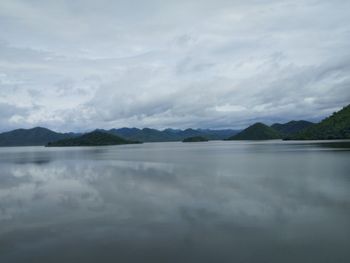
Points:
[257,131]
[32,137]
[336,126]
[195,139]
[95,138]
[292,127]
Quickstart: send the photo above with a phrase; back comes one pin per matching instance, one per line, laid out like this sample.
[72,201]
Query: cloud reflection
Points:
[180,210]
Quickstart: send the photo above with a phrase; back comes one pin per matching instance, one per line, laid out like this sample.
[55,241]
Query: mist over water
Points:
[269,201]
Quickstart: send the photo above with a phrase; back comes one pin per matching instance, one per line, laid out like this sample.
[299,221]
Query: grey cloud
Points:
[86,64]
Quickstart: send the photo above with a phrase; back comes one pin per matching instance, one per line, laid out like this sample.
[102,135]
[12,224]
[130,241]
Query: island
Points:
[95,138]
[195,139]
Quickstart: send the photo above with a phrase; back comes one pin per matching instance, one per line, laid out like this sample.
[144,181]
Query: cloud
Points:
[86,64]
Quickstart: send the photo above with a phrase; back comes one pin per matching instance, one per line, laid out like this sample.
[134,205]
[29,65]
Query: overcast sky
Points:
[84,64]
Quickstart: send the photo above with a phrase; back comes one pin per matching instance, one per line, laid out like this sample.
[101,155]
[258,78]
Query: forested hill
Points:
[32,137]
[336,126]
[95,138]
[257,131]
[292,127]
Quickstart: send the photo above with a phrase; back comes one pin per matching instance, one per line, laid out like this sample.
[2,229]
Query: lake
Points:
[269,201]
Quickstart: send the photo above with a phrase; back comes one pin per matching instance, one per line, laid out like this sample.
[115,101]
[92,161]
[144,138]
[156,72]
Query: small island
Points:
[95,138]
[195,139]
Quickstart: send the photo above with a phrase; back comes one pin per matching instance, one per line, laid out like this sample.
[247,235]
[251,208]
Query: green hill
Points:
[257,131]
[336,126]
[32,137]
[95,138]
[292,127]
[195,139]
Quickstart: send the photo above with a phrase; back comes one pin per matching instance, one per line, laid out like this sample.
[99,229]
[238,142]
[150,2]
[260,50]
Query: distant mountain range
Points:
[95,138]
[42,136]
[153,135]
[336,126]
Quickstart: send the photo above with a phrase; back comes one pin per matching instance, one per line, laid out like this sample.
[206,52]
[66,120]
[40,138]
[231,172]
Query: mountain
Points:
[218,134]
[144,135]
[124,132]
[292,127]
[153,135]
[257,131]
[190,133]
[32,137]
[336,126]
[195,139]
[95,138]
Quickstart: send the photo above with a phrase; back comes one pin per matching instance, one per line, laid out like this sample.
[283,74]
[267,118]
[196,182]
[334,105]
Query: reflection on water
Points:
[171,202]
[337,145]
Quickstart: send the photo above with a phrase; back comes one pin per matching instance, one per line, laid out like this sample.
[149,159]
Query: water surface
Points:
[268,201]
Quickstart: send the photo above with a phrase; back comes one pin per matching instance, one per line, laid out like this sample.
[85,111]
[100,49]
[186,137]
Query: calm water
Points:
[174,202]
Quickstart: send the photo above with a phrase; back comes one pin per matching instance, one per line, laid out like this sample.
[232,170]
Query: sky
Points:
[85,64]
